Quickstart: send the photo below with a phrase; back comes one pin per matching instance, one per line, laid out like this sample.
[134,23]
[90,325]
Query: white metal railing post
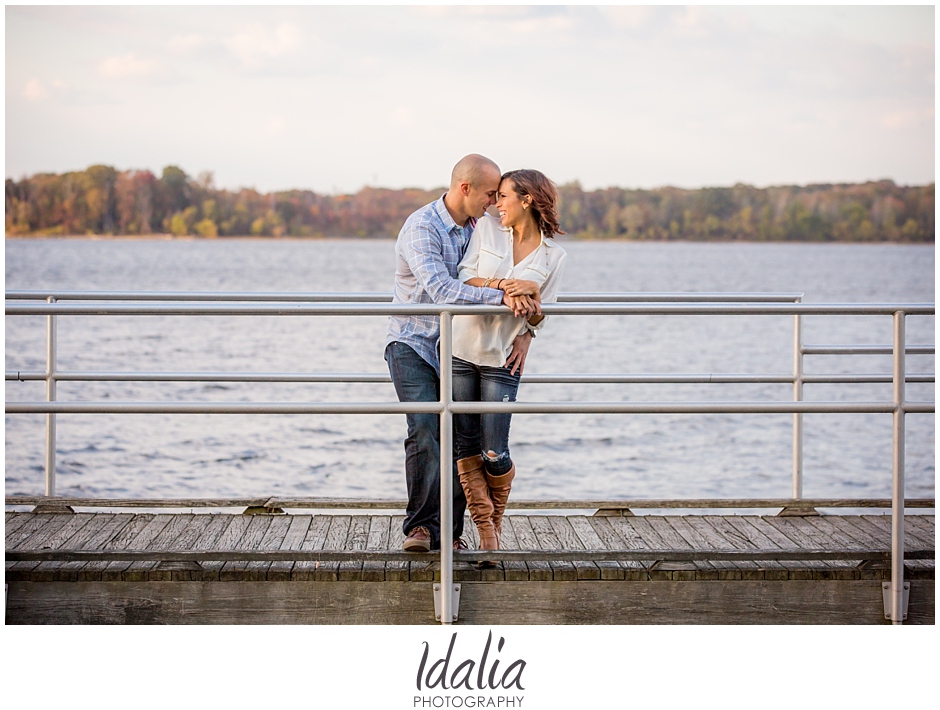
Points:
[50,397]
[797,397]
[897,488]
[447,470]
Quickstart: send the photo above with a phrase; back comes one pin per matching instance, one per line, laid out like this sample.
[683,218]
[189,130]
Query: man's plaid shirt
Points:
[430,246]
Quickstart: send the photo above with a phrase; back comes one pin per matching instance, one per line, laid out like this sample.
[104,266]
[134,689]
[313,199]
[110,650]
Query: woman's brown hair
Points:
[543,194]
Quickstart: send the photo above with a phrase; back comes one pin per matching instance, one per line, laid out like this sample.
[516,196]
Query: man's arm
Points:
[423,251]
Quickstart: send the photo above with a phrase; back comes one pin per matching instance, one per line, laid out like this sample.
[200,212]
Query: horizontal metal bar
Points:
[520,504]
[468,556]
[369,377]
[383,309]
[62,407]
[382,296]
[78,376]
[865,350]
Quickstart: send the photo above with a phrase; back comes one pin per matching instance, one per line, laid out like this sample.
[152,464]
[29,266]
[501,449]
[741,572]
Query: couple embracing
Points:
[452,251]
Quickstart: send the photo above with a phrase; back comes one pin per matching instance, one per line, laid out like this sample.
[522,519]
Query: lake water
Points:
[557,456]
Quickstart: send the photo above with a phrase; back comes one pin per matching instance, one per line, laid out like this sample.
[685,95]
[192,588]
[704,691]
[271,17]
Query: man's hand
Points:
[520,349]
[522,306]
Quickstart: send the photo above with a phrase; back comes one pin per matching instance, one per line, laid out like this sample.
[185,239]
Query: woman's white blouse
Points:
[487,340]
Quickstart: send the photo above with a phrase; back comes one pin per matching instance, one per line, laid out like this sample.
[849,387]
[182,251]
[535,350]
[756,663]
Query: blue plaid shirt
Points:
[430,246]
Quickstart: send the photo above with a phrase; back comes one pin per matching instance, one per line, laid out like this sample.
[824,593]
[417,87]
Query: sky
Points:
[333,99]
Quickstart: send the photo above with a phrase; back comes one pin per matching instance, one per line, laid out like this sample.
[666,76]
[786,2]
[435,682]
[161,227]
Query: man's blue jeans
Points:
[416,381]
[476,434]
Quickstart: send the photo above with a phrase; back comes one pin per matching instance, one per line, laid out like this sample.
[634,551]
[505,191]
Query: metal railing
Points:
[73,303]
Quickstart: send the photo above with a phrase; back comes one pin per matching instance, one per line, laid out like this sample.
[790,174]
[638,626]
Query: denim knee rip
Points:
[497,464]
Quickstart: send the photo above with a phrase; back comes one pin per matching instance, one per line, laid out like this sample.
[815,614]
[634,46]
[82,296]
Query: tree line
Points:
[104,201]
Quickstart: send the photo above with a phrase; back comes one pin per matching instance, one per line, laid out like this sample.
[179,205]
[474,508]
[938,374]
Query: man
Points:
[429,248]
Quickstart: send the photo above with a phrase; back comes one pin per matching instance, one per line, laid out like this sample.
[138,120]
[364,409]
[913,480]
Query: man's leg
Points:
[416,381]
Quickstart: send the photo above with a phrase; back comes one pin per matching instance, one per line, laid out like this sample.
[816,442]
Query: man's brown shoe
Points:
[460,544]
[418,540]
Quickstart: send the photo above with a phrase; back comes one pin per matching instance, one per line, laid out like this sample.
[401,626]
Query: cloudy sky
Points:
[335,98]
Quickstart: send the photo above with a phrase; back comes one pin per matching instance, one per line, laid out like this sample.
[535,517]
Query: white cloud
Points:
[254,44]
[126,65]
[186,43]
[34,90]
[628,16]
[907,119]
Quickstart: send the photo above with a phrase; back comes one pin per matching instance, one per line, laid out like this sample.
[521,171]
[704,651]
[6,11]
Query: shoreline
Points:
[564,238]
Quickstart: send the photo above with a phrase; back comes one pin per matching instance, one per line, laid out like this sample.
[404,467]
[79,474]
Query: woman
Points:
[516,254]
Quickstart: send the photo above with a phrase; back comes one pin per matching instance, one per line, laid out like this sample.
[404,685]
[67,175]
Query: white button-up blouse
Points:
[487,340]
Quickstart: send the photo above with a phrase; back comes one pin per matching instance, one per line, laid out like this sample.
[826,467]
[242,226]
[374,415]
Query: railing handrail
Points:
[320,503]
[379,296]
[433,309]
[181,303]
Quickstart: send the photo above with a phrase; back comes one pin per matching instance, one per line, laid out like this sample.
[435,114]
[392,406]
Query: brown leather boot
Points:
[499,493]
[479,504]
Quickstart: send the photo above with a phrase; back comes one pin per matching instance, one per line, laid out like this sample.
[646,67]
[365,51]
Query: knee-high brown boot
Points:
[499,493]
[479,504]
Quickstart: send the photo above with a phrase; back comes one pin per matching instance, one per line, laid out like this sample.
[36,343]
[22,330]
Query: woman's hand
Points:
[521,287]
[522,306]
[520,349]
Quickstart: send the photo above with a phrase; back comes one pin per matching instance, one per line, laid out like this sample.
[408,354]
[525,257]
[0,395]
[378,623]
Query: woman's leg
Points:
[498,384]
[466,383]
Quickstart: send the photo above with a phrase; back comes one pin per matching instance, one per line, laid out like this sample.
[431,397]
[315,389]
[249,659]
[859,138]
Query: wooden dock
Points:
[568,569]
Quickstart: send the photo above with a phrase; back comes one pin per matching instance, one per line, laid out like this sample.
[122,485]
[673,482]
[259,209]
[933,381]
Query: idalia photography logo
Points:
[482,671]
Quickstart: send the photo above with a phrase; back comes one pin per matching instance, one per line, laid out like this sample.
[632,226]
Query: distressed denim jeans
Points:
[416,381]
[482,433]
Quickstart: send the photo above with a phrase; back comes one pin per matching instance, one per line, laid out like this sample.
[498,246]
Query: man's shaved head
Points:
[473,169]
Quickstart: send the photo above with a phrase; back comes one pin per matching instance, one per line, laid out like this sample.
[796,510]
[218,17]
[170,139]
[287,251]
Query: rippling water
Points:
[557,456]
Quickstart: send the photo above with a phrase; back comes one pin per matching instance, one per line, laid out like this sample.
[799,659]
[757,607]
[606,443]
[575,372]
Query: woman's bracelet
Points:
[487,282]
[499,284]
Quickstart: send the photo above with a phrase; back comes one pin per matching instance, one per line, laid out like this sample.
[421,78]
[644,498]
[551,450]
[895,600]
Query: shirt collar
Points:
[449,223]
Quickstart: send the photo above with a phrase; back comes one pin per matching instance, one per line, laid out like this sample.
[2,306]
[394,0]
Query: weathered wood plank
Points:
[13,521]
[512,571]
[272,540]
[491,604]
[251,540]
[314,540]
[717,530]
[658,571]
[140,571]
[206,540]
[633,570]
[293,539]
[379,527]
[568,540]
[548,540]
[356,539]
[45,571]
[336,536]
[912,539]
[923,524]
[809,537]
[776,540]
[752,538]
[137,536]
[396,571]
[30,527]
[590,540]
[228,539]
[77,542]
[37,541]
[526,540]
[75,571]
[673,540]
[695,539]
